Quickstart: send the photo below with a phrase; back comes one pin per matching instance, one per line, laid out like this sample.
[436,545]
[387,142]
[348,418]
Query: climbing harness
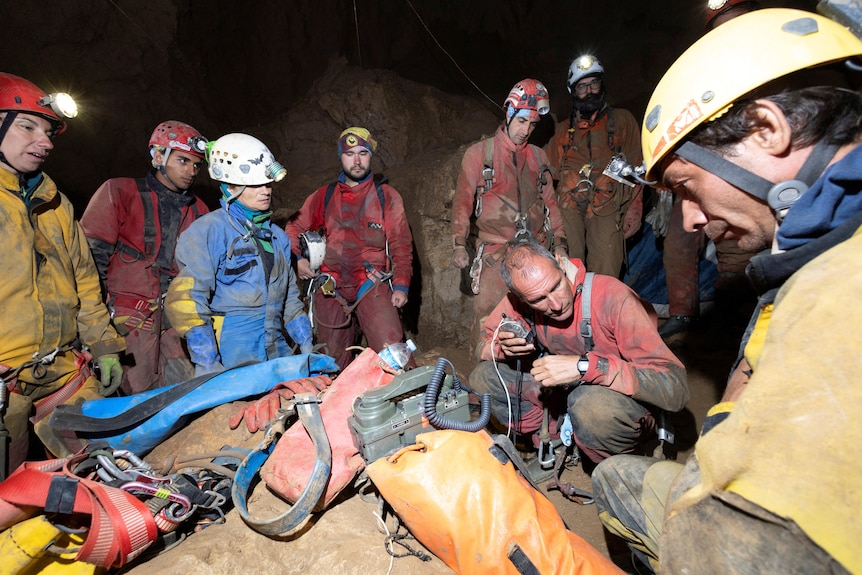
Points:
[130,506]
[520,219]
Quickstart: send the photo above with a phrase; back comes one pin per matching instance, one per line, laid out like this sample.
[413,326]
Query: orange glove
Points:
[260,412]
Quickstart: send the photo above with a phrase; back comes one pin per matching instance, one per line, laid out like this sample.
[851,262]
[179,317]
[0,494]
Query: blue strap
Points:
[306,405]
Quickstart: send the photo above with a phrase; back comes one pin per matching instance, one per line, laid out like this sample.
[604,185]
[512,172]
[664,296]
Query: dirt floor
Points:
[348,538]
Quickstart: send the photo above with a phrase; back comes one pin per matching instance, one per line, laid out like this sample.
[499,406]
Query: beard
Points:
[358,174]
[589,105]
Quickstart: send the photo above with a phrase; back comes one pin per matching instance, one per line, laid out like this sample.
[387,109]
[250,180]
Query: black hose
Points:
[439,421]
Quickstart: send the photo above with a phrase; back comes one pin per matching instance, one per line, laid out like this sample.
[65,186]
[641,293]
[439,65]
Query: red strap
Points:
[121,526]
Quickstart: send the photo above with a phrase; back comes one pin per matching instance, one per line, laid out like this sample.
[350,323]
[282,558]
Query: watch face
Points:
[583,365]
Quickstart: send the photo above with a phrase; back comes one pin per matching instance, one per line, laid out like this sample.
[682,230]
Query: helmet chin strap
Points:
[779,196]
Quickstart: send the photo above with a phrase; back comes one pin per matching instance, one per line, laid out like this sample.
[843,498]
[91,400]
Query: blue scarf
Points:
[833,199]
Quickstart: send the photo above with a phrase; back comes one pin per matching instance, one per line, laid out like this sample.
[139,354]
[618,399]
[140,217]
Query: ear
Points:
[158,157]
[772,131]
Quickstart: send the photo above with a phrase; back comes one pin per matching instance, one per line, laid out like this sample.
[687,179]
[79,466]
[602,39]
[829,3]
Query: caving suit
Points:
[786,453]
[362,226]
[512,202]
[593,205]
[236,282]
[50,299]
[133,245]
[631,371]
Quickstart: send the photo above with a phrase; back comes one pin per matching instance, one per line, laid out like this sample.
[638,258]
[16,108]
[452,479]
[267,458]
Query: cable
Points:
[356,25]
[496,338]
[478,89]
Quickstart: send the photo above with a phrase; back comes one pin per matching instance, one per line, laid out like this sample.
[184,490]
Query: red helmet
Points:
[174,135]
[715,8]
[530,95]
[20,95]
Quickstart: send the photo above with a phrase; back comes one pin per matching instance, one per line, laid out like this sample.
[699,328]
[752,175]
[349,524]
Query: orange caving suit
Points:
[136,270]
[593,205]
[515,189]
[357,228]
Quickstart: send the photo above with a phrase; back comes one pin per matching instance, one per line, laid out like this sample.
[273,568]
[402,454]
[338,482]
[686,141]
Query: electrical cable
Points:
[496,338]
[478,89]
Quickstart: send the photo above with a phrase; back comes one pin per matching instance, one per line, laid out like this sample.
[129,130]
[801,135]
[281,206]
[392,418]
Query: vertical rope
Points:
[356,25]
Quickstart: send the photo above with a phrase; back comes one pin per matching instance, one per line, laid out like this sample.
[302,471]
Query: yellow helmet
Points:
[731,61]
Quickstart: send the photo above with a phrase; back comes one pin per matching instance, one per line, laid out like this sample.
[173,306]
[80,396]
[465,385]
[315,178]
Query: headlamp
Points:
[200,145]
[62,104]
[276,171]
[584,62]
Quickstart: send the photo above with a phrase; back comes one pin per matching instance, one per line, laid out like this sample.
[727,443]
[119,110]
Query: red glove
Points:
[260,412]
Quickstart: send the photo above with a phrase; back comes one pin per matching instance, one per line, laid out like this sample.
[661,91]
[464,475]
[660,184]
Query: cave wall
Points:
[295,74]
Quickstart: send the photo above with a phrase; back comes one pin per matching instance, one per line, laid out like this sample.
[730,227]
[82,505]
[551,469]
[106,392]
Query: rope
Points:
[442,49]
[356,25]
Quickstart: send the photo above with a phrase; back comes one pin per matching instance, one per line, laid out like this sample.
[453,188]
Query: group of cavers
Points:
[754,130]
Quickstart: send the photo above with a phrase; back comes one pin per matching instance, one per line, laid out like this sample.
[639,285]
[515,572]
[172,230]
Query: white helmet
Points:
[586,65]
[243,160]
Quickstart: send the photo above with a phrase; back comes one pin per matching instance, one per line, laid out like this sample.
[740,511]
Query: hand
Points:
[258,414]
[460,259]
[552,370]
[111,373]
[303,269]
[399,298]
[512,346]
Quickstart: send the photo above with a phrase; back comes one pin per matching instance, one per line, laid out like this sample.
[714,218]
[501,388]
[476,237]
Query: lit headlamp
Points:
[276,171]
[62,104]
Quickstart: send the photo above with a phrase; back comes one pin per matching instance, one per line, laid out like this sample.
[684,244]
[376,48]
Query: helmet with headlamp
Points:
[243,160]
[728,64]
[530,95]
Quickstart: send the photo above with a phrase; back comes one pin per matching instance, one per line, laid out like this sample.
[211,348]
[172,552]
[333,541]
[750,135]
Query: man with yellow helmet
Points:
[762,156]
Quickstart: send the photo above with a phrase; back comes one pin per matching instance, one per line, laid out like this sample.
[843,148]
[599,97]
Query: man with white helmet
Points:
[368,240]
[505,185]
[592,204]
[132,226]
[53,315]
[768,156]
[236,293]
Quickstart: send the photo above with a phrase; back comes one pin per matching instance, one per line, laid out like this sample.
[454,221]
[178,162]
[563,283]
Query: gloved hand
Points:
[460,258]
[203,349]
[260,412]
[299,330]
[111,373]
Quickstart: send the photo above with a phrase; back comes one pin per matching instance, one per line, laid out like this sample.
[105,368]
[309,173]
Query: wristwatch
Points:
[583,364]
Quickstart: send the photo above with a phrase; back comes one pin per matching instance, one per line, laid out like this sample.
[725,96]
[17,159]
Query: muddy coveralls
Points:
[593,205]
[631,373]
[509,204]
[773,478]
[133,245]
[51,304]
[233,291]
[360,228]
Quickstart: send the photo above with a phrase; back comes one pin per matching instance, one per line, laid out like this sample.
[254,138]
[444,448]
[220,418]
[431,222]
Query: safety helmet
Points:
[715,8]
[530,95]
[312,246]
[20,95]
[243,160]
[581,67]
[174,135]
[731,61]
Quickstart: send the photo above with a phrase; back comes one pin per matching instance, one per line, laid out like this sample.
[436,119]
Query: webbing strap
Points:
[149,217]
[121,526]
[586,314]
[309,414]
[330,189]
[72,417]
